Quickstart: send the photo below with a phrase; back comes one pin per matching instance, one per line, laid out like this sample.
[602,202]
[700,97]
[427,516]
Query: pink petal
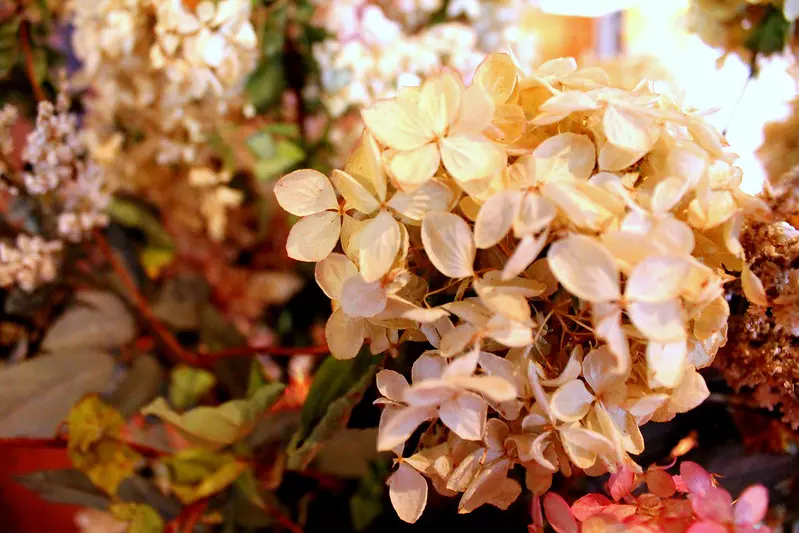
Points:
[589,505]
[714,505]
[660,483]
[706,527]
[751,507]
[695,477]
[621,483]
[559,515]
[620,512]
[535,512]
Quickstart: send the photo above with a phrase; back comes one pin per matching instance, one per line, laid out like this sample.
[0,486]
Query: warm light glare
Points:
[583,8]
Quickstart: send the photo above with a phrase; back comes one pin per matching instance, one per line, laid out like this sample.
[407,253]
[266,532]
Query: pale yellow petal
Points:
[661,322]
[305,192]
[407,490]
[414,167]
[525,253]
[628,130]
[475,113]
[365,165]
[397,124]
[362,299]
[613,158]
[534,214]
[753,288]
[465,416]
[469,158]
[313,237]
[448,242]
[380,241]
[571,401]
[665,363]
[657,279]
[495,218]
[432,197]
[440,100]
[497,75]
[356,195]
[565,156]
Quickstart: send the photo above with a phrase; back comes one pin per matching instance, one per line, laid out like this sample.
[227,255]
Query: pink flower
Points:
[717,513]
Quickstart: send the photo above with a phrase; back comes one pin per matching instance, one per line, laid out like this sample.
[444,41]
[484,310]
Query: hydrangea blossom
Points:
[562,247]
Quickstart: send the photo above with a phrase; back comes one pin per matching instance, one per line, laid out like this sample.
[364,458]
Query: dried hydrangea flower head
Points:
[560,246]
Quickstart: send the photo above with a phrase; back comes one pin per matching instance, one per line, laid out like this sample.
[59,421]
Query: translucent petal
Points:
[585,268]
[362,299]
[571,401]
[380,241]
[396,124]
[629,131]
[401,424]
[427,367]
[567,155]
[495,218]
[752,505]
[533,215]
[415,167]
[484,486]
[448,242]
[599,369]
[305,192]
[559,514]
[407,490]
[332,272]
[432,197]
[691,392]
[661,322]
[497,75]
[365,165]
[458,339]
[462,366]
[344,335]
[511,305]
[525,253]
[440,100]
[753,288]
[612,158]
[475,113]
[470,158]
[656,279]
[508,332]
[356,195]
[508,124]
[313,237]
[494,388]
[582,445]
[465,416]
[391,384]
[665,363]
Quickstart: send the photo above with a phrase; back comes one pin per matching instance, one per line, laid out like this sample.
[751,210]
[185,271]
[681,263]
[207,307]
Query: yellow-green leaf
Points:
[196,473]
[94,444]
[188,385]
[141,518]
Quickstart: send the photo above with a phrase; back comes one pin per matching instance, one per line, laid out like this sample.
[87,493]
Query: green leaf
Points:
[261,145]
[285,130]
[287,155]
[771,35]
[367,502]
[134,215]
[9,45]
[187,385]
[337,387]
[215,427]
[196,474]
[274,31]
[266,84]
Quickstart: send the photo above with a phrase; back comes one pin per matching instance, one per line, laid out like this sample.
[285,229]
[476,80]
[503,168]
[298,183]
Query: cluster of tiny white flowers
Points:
[216,200]
[30,262]
[562,247]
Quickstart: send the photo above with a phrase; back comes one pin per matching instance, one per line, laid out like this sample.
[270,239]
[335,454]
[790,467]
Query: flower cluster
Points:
[690,501]
[65,183]
[163,76]
[561,246]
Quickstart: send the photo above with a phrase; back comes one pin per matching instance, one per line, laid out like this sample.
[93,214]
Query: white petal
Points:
[494,388]
[440,100]
[665,363]
[431,392]
[415,167]
[462,366]
[599,369]
[344,335]
[470,158]
[407,490]
[565,156]
[332,272]
[585,268]
[313,237]
[627,130]
[656,279]
[427,367]
[571,401]
[508,332]
[661,322]
[582,445]
[432,197]
[465,416]
[534,215]
[525,253]
[396,124]
[305,192]
[753,288]
[391,384]
[449,245]
[380,241]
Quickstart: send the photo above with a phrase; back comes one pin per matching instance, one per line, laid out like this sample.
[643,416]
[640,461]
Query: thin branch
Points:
[27,52]
[170,342]
[282,519]
[194,512]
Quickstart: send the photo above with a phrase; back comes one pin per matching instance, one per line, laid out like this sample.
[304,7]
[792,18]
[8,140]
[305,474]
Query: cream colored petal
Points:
[629,131]
[350,230]
[461,366]
[475,113]
[534,214]
[407,490]
[508,332]
[582,445]
[457,340]
[332,272]
[571,401]
[365,165]
[665,363]
[356,195]
[495,218]
[470,158]
[660,322]
[599,369]
[566,103]
[397,124]
[313,237]
[401,424]
[585,268]
[486,484]
[344,335]
[564,156]
[608,328]
[305,192]
[668,194]
[391,384]
[448,242]
[494,388]
[465,416]
[426,368]
[656,279]
[612,158]
[431,197]
[502,301]
[691,392]
[753,288]
[431,392]
[525,253]
[361,299]
[380,241]
[580,208]
[497,75]
[415,167]
[440,100]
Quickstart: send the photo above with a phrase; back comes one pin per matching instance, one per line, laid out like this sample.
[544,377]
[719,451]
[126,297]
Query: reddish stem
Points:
[170,342]
[27,52]
[282,519]
[193,513]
